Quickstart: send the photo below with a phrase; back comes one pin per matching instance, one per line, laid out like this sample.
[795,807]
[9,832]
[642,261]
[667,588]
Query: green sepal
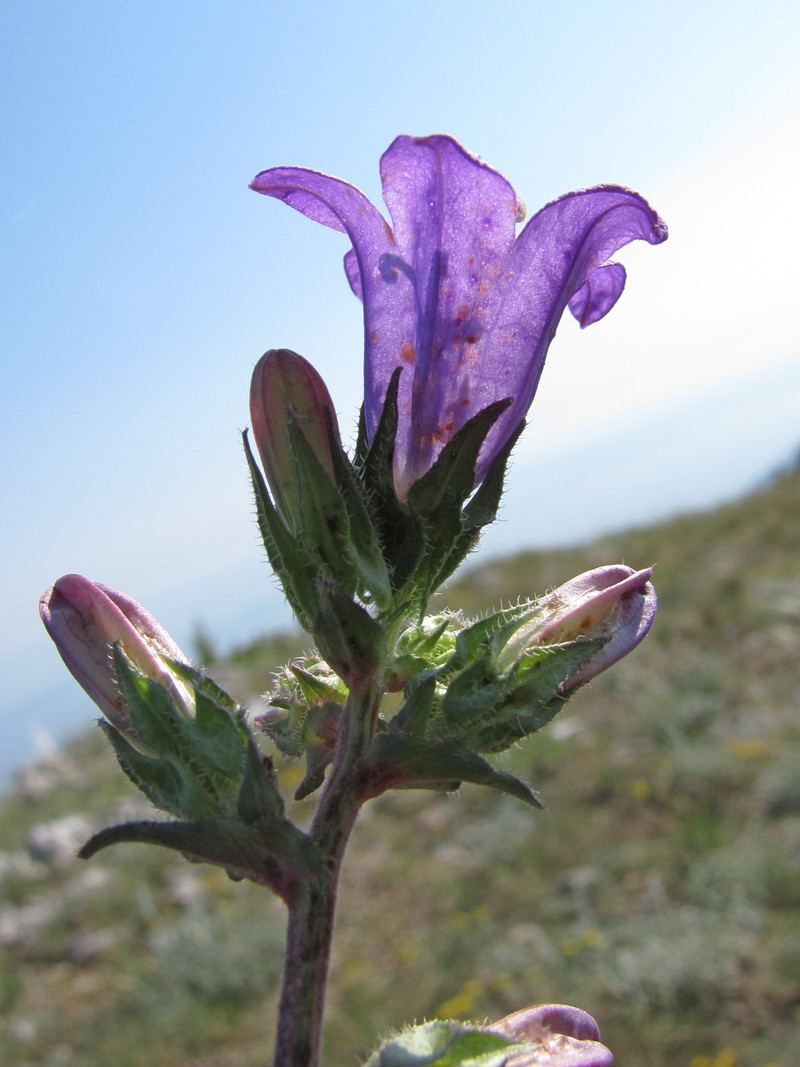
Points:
[417,709]
[349,639]
[150,706]
[323,522]
[202,683]
[480,511]
[363,546]
[165,782]
[315,690]
[534,698]
[399,761]
[208,748]
[272,852]
[445,1043]
[361,450]
[439,496]
[288,732]
[399,529]
[287,555]
[259,797]
[219,739]
[318,757]
[491,632]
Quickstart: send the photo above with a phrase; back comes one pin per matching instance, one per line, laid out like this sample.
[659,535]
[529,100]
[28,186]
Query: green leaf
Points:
[272,852]
[259,797]
[399,761]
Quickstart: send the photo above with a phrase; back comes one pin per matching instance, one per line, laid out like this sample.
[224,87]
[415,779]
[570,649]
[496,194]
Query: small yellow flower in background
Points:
[641,789]
[408,954]
[591,938]
[726,1058]
[747,747]
[463,1003]
[570,946]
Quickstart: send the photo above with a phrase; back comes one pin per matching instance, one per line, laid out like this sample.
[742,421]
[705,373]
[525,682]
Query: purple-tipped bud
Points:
[614,603]
[569,1037]
[285,386]
[85,619]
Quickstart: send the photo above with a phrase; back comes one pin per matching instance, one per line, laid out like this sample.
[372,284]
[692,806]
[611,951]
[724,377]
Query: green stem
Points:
[312,905]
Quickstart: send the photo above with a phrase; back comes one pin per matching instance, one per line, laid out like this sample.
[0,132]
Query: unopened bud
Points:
[85,619]
[285,387]
[564,1035]
[614,603]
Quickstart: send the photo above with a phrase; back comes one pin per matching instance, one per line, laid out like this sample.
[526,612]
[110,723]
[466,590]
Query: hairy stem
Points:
[312,905]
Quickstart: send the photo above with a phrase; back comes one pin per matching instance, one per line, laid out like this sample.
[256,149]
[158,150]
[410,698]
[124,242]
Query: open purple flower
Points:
[452,296]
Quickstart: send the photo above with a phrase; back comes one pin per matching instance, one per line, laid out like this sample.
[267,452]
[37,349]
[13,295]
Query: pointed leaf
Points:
[324,525]
[414,715]
[479,512]
[348,637]
[399,530]
[202,683]
[165,783]
[259,797]
[363,546]
[399,761]
[316,690]
[273,852]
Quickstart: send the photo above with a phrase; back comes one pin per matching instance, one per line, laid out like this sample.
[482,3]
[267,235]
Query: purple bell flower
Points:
[452,295]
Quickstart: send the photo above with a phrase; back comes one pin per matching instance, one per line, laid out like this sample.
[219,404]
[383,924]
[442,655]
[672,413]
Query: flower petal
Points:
[453,220]
[373,266]
[561,249]
[599,294]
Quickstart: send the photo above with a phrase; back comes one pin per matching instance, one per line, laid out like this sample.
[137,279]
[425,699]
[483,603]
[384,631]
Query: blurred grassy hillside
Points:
[660,890]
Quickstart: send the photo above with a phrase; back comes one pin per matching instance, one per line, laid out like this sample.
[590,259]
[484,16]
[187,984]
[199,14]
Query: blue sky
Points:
[142,280]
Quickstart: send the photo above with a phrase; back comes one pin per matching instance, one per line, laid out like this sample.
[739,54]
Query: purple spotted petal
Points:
[451,297]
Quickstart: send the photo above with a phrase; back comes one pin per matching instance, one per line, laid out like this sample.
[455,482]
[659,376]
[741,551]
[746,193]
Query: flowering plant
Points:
[458,317]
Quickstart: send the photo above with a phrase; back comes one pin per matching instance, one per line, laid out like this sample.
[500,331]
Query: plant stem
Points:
[312,905]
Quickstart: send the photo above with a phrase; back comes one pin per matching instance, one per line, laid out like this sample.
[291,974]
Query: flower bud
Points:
[285,387]
[614,603]
[85,619]
[568,1036]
